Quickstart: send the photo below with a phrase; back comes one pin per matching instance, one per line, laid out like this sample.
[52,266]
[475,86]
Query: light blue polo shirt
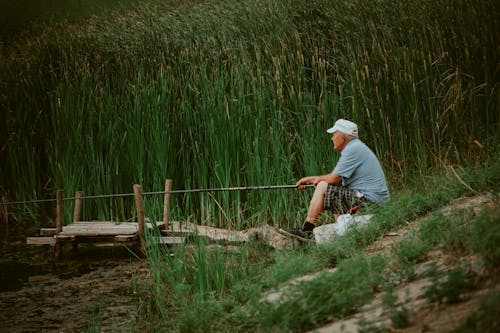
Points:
[361,170]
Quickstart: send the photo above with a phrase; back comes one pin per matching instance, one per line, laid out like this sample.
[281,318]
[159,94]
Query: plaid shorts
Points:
[340,199]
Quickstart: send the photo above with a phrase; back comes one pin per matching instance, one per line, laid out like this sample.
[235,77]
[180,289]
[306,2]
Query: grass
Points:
[486,235]
[486,318]
[452,289]
[224,290]
[94,325]
[400,314]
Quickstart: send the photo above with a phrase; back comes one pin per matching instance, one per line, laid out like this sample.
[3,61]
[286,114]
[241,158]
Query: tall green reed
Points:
[223,94]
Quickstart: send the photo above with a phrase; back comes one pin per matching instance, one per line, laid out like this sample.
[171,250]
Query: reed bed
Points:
[224,93]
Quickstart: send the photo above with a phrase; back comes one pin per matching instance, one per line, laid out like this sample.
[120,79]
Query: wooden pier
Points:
[105,233]
[98,232]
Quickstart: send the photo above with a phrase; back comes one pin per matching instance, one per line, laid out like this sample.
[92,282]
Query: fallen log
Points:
[265,233]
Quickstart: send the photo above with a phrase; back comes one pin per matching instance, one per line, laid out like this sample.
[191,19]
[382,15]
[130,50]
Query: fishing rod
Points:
[226,189]
[198,190]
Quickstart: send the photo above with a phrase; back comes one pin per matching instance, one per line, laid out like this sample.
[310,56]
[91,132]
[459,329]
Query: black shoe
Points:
[304,233]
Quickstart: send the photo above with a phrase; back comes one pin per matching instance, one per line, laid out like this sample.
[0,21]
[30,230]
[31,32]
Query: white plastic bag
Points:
[327,232]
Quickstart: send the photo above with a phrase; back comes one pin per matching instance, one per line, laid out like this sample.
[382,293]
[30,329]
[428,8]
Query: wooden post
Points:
[59,211]
[59,220]
[5,213]
[77,213]
[140,215]
[166,198]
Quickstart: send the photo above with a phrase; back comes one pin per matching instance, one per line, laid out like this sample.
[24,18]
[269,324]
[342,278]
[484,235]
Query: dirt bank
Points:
[422,315]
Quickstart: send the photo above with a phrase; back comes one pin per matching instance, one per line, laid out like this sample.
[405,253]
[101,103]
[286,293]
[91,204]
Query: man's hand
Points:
[330,178]
[301,184]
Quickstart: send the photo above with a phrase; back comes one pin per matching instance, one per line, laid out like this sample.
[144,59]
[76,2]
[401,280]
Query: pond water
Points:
[88,287]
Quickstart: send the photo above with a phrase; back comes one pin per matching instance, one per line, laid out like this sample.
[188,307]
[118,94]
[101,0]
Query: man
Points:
[356,180]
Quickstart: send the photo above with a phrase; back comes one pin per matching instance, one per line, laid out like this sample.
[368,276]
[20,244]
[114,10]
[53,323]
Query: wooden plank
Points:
[40,240]
[98,232]
[100,226]
[89,233]
[97,223]
[113,223]
[177,232]
[103,228]
[109,244]
[172,240]
[64,238]
[125,238]
[159,224]
[47,231]
[98,229]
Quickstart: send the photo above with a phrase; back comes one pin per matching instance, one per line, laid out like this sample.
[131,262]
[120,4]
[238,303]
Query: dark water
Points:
[39,292]
[19,262]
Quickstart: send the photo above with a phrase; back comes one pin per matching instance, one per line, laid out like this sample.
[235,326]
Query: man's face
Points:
[338,140]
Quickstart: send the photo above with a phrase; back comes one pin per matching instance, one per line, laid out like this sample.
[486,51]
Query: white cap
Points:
[344,126]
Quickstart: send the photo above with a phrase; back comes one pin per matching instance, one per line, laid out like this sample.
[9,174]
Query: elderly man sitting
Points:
[356,180]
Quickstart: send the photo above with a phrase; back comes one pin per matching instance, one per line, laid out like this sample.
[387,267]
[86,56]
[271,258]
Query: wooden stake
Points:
[59,211]
[140,215]
[166,198]
[77,213]
[59,220]
[5,213]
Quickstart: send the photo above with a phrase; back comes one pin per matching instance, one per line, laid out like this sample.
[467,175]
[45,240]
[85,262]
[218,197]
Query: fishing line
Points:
[122,195]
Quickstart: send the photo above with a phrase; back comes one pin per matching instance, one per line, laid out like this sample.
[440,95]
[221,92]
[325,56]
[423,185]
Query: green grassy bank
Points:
[203,289]
[226,93]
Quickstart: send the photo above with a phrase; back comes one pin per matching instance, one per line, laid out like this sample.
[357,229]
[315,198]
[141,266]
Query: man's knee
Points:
[322,187]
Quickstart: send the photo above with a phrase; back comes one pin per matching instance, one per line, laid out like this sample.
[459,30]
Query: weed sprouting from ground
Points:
[487,317]
[485,236]
[95,322]
[452,289]
[399,313]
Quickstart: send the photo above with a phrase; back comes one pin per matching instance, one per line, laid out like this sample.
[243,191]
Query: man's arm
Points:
[330,178]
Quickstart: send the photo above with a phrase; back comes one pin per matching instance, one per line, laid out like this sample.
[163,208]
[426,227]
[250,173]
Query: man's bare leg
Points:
[315,209]
[316,205]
